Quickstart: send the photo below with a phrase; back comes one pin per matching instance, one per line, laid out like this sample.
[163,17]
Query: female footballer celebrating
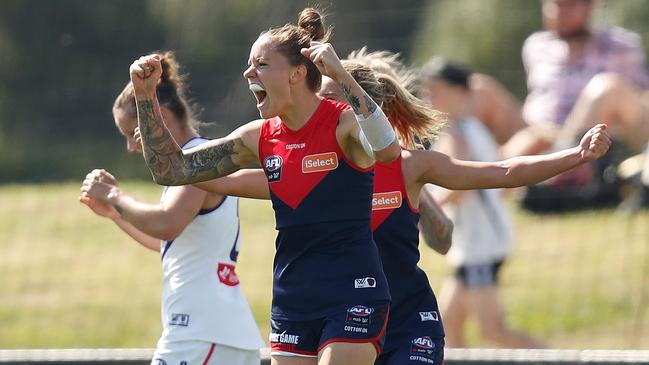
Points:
[415,332]
[330,296]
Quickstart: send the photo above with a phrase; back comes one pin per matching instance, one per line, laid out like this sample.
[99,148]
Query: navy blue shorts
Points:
[356,324]
[420,349]
[479,275]
[415,333]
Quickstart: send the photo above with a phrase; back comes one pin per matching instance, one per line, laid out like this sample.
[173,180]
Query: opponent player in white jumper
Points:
[205,317]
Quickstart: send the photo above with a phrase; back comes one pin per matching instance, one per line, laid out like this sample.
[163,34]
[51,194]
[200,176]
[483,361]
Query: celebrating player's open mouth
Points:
[260,94]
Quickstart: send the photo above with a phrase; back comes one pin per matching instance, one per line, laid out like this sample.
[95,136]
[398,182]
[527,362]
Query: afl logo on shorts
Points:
[273,167]
[389,200]
[422,346]
[359,315]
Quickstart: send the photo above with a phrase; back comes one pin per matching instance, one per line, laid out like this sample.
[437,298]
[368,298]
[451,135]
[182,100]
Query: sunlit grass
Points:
[72,279]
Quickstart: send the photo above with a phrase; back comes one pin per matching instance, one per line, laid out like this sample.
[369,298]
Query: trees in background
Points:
[63,62]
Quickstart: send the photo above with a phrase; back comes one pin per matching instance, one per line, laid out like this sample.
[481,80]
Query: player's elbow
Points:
[166,180]
[388,154]
[445,245]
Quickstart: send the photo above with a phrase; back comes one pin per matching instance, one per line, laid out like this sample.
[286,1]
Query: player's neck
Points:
[301,111]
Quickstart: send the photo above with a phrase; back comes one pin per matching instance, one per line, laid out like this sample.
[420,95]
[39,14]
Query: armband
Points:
[377,130]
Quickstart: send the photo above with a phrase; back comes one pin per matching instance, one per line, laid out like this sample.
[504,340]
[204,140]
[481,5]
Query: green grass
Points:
[71,279]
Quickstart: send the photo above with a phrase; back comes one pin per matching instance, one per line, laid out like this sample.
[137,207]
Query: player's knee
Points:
[492,329]
[605,84]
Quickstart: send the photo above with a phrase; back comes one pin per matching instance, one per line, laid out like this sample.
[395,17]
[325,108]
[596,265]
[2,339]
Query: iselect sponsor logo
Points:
[320,162]
[388,200]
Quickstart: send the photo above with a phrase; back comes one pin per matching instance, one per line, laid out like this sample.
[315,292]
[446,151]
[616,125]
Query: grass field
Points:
[71,279]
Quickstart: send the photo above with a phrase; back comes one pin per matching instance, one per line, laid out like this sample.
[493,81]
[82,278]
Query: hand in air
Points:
[145,73]
[325,58]
[595,143]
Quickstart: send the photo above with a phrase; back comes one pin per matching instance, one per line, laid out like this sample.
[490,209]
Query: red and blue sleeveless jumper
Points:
[325,257]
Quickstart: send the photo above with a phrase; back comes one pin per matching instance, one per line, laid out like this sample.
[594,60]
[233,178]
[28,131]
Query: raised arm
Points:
[442,170]
[169,164]
[376,136]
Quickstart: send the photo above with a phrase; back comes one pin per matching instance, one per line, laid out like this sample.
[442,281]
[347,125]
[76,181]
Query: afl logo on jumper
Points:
[227,275]
[319,162]
[360,315]
[389,200]
[273,167]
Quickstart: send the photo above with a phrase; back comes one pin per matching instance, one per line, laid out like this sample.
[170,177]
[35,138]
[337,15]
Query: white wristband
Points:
[377,129]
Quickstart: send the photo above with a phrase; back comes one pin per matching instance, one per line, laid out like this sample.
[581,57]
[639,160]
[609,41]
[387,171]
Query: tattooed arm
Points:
[374,134]
[169,164]
[435,227]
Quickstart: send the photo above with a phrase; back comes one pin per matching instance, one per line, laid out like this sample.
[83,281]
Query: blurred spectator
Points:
[482,237]
[496,107]
[576,77]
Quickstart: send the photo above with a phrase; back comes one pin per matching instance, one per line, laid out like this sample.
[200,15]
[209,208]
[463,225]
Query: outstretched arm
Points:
[450,173]
[169,164]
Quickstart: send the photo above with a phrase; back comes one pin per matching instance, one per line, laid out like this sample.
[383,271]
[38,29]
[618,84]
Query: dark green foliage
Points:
[62,63]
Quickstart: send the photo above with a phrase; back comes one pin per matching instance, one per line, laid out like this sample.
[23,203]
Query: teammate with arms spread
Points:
[197,234]
[330,297]
[415,333]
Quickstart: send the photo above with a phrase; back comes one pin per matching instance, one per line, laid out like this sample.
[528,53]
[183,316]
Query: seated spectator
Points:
[577,76]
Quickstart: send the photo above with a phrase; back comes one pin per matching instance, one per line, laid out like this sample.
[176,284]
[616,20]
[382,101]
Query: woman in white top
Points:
[197,235]
[482,237]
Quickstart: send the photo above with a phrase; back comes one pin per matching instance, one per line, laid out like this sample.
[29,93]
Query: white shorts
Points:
[202,353]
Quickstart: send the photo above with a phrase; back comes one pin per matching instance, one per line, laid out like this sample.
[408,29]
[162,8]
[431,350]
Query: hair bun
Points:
[311,20]
[170,69]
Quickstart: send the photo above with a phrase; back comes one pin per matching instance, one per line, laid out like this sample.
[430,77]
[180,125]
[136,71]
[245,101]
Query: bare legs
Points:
[337,353]
[607,98]
[340,353]
[458,301]
[610,99]
[292,360]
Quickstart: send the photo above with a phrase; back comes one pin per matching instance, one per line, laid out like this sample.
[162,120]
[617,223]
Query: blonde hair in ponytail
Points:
[415,122]
[385,62]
